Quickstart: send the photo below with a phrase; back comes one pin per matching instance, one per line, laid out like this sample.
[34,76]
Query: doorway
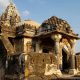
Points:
[65,61]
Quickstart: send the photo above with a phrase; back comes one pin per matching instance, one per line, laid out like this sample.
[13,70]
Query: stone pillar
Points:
[73,70]
[56,38]
[38,48]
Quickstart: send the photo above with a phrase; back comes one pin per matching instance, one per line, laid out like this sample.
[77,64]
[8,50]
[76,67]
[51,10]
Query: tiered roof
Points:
[59,25]
[27,28]
[55,24]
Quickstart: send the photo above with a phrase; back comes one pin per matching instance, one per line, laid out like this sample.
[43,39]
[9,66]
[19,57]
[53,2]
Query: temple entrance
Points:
[65,61]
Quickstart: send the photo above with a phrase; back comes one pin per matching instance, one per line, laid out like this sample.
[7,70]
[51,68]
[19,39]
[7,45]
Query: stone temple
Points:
[31,50]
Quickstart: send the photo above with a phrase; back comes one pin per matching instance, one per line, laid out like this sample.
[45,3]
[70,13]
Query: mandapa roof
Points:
[58,25]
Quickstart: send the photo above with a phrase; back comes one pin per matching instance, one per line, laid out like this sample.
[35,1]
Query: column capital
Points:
[56,37]
[72,41]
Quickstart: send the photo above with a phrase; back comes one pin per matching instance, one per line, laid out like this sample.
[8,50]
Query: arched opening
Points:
[65,61]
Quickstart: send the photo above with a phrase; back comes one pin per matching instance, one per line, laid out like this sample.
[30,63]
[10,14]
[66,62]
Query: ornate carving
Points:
[11,14]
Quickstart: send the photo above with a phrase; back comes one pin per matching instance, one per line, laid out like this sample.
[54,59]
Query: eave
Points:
[47,34]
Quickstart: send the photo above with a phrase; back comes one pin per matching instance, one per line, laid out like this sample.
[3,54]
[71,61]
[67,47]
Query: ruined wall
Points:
[40,64]
[18,45]
[2,60]
[22,45]
[2,71]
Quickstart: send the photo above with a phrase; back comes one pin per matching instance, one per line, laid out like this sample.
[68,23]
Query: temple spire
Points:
[11,14]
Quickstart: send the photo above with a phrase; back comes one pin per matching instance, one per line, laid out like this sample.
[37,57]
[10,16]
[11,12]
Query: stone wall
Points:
[2,71]
[78,62]
[40,64]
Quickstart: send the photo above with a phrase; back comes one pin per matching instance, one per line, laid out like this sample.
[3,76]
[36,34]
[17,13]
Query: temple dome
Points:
[57,24]
[30,23]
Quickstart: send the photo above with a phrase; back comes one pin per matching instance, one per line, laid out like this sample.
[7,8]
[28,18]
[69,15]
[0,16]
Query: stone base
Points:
[72,71]
[59,72]
[56,72]
[51,70]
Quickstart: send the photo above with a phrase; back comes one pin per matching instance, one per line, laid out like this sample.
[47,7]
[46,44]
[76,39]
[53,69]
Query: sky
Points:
[40,10]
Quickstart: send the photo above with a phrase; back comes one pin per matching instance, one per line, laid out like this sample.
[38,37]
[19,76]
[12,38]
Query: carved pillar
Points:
[57,38]
[61,63]
[72,70]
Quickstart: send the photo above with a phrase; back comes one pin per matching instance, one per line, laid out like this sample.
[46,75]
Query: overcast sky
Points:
[39,10]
